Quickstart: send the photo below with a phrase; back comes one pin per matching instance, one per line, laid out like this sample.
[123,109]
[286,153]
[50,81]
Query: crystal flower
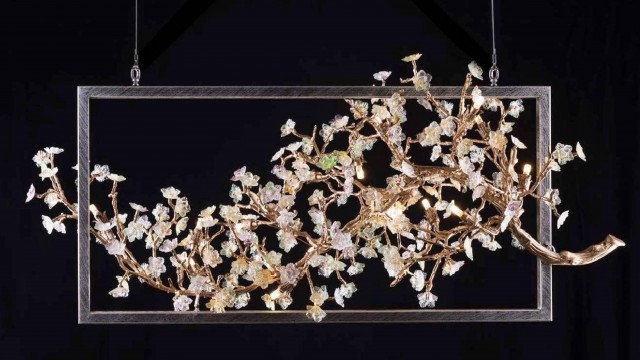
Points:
[448,126]
[122,290]
[382,75]
[475,70]
[181,302]
[427,299]
[451,267]
[42,159]
[417,280]
[392,260]
[339,240]
[580,152]
[100,172]
[562,218]
[115,247]
[168,245]
[287,128]
[156,266]
[138,208]
[289,274]
[31,193]
[316,313]
[46,172]
[515,108]
[563,153]
[422,80]
[411,58]
[430,135]
[198,283]
[53,150]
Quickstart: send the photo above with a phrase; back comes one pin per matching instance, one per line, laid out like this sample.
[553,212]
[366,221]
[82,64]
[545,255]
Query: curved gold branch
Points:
[591,254]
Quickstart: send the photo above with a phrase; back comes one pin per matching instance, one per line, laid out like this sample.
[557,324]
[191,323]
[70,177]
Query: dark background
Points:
[588,53]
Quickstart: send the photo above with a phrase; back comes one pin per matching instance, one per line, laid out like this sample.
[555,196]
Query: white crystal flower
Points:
[168,245]
[116,178]
[413,57]
[430,135]
[31,193]
[285,218]
[563,217]
[100,172]
[339,240]
[451,267]
[198,283]
[382,75]
[427,299]
[181,302]
[468,250]
[156,266]
[392,260]
[477,98]
[519,144]
[46,172]
[51,200]
[170,192]
[122,290]
[515,108]
[287,128]
[475,70]
[53,150]
[138,208]
[448,126]
[563,153]
[466,166]
[115,247]
[41,158]
[289,274]
[417,280]
[278,154]
[316,313]
[47,223]
[580,152]
[396,135]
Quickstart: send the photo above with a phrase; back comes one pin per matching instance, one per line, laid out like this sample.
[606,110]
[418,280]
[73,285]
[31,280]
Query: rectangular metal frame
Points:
[542,312]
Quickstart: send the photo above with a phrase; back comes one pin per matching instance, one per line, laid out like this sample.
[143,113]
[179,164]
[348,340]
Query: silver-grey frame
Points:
[542,311]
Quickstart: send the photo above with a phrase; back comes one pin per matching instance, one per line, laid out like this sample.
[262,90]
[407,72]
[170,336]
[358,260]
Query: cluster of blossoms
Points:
[186,261]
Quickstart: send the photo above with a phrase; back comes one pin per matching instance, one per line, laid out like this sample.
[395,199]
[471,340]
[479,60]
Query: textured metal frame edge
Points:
[542,312]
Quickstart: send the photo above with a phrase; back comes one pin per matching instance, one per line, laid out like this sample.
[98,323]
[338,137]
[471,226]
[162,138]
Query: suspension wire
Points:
[135,69]
[494,73]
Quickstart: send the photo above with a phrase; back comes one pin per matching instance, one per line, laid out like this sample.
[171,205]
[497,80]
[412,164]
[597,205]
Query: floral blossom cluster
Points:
[216,259]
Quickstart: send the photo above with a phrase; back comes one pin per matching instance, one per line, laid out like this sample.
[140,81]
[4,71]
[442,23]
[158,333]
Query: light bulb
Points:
[359,172]
[526,169]
[425,203]
[275,294]
[456,210]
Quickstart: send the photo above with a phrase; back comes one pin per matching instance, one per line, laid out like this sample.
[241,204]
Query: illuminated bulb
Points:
[526,169]
[456,210]
[425,203]
[275,294]
[359,172]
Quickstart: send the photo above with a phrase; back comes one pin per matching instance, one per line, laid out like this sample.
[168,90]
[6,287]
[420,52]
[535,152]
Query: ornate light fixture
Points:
[472,151]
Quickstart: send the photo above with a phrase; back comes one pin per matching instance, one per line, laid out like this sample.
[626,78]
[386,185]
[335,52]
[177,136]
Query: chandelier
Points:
[216,259]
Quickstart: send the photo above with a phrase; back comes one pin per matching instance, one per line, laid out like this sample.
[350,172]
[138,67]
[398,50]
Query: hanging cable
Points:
[135,69]
[494,73]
